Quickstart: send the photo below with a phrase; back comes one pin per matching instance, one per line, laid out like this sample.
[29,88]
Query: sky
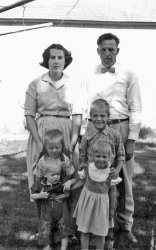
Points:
[22,52]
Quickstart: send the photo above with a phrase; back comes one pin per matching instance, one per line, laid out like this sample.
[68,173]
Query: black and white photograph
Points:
[78,125]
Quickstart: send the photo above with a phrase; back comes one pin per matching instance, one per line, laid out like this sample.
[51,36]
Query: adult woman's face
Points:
[56,61]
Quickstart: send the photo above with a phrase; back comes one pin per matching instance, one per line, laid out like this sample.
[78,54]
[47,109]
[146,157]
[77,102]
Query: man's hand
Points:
[129,149]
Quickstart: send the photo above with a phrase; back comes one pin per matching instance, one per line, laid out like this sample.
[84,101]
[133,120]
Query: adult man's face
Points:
[108,52]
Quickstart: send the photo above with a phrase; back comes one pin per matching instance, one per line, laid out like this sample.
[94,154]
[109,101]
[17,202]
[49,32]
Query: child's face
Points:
[99,118]
[101,160]
[54,176]
[54,147]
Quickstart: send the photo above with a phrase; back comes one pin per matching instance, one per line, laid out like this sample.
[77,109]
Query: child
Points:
[53,181]
[98,133]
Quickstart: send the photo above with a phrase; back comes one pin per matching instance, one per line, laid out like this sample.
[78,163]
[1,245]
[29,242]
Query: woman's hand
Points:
[39,147]
[71,148]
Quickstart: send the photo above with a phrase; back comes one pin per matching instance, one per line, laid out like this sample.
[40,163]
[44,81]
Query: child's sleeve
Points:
[120,150]
[68,166]
[39,170]
[83,151]
[36,187]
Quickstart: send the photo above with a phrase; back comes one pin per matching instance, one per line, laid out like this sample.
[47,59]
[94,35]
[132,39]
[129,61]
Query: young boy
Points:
[97,130]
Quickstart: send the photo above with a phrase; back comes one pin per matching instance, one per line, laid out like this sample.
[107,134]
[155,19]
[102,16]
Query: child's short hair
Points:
[102,147]
[53,134]
[48,169]
[101,104]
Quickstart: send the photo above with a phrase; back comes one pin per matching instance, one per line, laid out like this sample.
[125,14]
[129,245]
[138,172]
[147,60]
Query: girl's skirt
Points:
[92,213]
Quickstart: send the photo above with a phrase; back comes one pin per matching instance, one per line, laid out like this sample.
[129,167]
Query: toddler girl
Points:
[92,212]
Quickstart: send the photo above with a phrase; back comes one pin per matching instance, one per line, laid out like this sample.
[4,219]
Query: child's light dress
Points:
[92,210]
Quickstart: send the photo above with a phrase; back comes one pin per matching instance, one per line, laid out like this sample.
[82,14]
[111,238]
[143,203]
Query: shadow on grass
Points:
[18,216]
[144,192]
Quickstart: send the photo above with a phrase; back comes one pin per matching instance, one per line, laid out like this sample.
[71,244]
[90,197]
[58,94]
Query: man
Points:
[119,87]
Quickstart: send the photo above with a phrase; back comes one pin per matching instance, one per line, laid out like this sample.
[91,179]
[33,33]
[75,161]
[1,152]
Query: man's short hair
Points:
[107,36]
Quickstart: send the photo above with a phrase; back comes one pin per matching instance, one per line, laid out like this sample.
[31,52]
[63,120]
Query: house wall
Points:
[20,55]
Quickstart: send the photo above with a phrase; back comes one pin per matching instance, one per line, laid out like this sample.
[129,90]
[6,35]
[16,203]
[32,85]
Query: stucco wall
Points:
[20,55]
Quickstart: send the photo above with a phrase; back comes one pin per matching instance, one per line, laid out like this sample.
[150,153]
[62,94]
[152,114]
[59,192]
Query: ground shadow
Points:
[18,216]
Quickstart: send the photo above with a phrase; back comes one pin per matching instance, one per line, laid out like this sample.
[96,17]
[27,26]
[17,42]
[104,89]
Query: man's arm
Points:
[135,106]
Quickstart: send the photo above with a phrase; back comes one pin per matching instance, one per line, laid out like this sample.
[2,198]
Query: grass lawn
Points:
[18,216]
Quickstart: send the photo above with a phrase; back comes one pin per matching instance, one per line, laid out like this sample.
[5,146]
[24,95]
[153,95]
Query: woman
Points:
[51,100]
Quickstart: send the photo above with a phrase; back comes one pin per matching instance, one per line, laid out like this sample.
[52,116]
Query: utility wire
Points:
[14,5]
[68,13]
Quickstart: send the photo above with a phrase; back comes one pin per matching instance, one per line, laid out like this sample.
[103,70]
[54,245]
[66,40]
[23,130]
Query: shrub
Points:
[147,132]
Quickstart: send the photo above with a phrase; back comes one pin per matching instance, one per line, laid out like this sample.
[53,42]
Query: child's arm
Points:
[83,151]
[67,185]
[112,201]
[62,197]
[77,185]
[114,173]
[38,196]
[37,190]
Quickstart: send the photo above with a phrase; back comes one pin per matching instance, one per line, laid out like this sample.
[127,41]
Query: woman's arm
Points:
[76,126]
[32,127]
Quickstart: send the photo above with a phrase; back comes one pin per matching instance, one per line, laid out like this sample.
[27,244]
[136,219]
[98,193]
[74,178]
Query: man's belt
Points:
[115,121]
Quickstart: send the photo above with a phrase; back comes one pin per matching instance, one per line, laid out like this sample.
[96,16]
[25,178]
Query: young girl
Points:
[53,179]
[92,212]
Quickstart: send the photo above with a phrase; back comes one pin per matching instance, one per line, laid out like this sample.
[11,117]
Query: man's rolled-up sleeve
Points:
[135,107]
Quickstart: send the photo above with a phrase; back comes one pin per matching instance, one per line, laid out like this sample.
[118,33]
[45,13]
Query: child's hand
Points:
[111,213]
[60,198]
[82,166]
[43,195]
[67,186]
[114,173]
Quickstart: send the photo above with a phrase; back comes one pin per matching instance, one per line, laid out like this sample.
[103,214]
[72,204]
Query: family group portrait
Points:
[78,128]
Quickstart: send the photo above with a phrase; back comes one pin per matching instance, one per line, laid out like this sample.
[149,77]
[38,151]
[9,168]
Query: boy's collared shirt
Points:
[92,136]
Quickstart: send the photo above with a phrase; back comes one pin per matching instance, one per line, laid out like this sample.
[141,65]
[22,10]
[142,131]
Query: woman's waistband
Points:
[57,116]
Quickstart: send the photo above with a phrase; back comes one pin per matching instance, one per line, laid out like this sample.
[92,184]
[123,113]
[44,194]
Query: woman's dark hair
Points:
[46,55]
